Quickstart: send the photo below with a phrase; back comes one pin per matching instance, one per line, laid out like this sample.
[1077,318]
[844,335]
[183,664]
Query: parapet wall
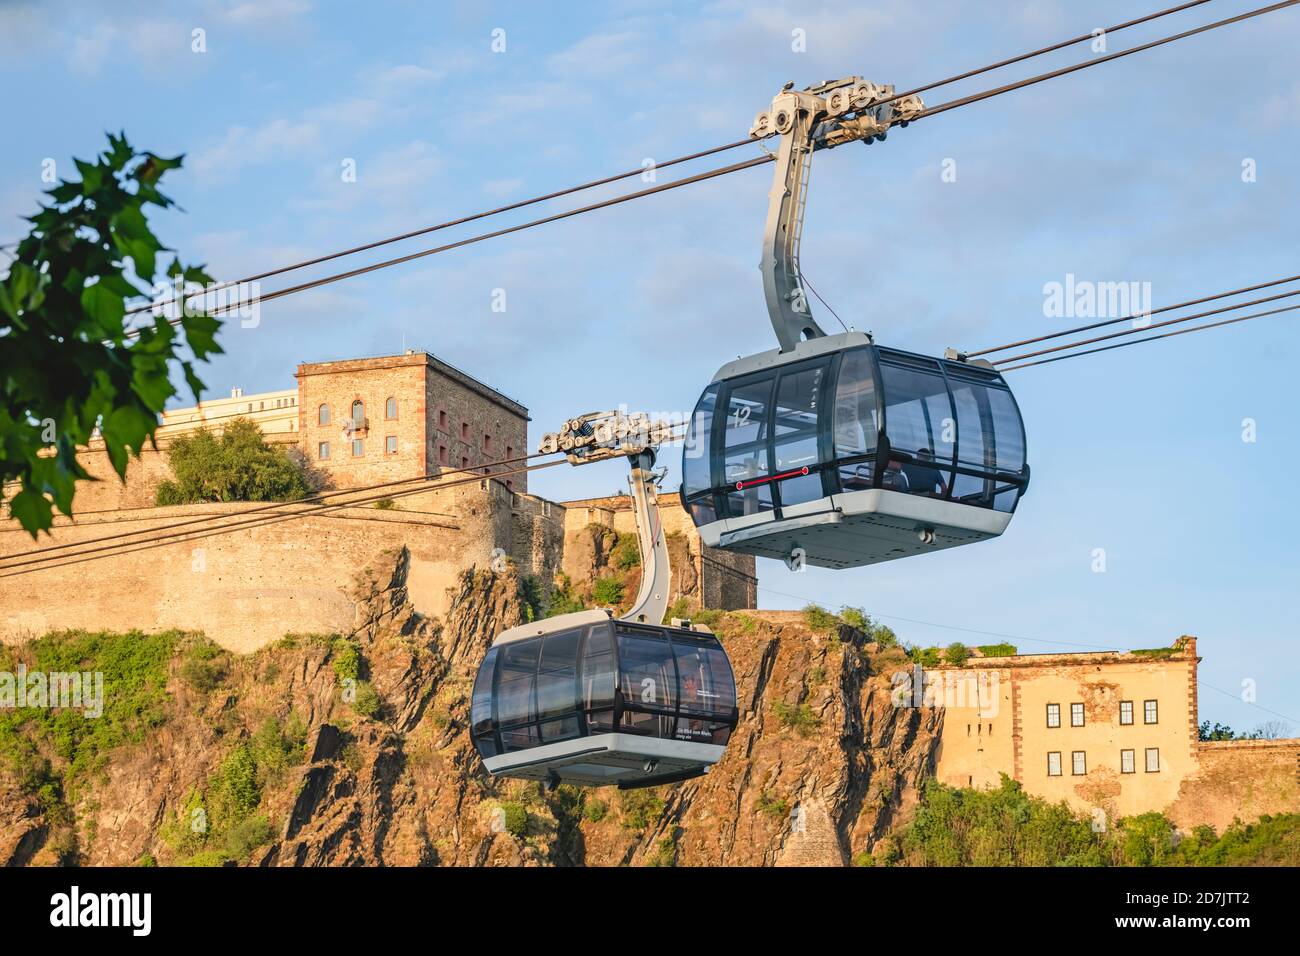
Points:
[1239,779]
[246,588]
[249,587]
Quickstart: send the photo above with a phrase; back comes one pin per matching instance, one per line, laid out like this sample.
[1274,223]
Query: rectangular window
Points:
[390,444]
[1153,760]
[1053,715]
[442,420]
[1127,762]
[795,421]
[487,443]
[510,452]
[323,450]
[1078,763]
[1150,712]
[442,455]
[1076,715]
[358,447]
[1126,712]
[1054,763]
[464,430]
[744,441]
[464,462]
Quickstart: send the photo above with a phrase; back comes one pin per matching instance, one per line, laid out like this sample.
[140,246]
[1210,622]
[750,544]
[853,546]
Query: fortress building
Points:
[355,423]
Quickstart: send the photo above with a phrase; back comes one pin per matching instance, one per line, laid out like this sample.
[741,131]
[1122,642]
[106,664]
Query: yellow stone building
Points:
[1112,734]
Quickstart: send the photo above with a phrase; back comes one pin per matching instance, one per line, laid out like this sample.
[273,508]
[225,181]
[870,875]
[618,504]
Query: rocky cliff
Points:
[353,750]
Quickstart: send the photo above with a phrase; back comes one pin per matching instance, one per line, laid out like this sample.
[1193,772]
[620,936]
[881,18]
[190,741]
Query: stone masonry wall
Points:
[1239,778]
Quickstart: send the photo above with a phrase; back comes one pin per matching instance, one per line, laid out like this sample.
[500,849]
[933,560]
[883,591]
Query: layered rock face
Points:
[820,767]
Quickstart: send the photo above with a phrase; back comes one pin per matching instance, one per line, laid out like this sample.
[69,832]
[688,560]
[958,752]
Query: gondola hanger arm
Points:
[823,116]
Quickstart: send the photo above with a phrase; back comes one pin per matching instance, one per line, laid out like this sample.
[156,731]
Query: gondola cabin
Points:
[841,453]
[585,699]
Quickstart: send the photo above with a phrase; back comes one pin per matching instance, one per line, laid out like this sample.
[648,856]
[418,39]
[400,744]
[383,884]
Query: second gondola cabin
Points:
[840,453]
[585,699]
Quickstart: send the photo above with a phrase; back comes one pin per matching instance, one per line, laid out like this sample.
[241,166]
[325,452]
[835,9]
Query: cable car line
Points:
[240,520]
[1145,328]
[1153,338]
[1130,318]
[510,207]
[944,107]
[269,506]
[567,214]
[1084,38]
[182,537]
[1074,68]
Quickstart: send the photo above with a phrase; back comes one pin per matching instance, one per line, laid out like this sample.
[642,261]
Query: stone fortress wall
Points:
[250,587]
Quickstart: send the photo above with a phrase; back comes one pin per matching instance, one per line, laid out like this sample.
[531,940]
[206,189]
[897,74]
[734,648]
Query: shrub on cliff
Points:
[54,750]
[956,653]
[627,553]
[639,808]
[799,718]
[237,465]
[819,619]
[607,592]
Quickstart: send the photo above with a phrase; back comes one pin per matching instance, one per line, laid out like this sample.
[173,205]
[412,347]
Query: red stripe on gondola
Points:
[742,485]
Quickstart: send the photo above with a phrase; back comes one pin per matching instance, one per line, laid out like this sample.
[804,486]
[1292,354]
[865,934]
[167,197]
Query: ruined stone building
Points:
[1112,734]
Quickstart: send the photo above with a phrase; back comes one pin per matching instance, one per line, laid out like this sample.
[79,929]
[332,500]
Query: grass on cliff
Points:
[54,752]
[222,821]
[1004,826]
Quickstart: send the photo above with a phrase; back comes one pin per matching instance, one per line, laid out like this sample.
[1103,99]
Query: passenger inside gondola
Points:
[923,478]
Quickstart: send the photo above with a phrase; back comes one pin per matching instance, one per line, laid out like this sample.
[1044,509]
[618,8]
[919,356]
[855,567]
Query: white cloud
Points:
[243,146]
[601,53]
[498,188]
[262,12]
[396,179]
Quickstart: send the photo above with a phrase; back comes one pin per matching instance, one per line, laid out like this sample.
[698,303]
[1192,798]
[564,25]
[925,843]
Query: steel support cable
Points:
[181,537]
[1145,328]
[241,519]
[1075,67]
[1011,61]
[1153,338]
[1129,318]
[737,167]
[426,230]
[620,176]
[567,214]
[7,560]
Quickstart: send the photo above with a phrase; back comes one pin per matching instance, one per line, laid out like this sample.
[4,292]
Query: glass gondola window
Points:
[795,431]
[557,674]
[745,448]
[707,691]
[599,678]
[649,683]
[697,457]
[517,694]
[857,420]
[921,424]
[481,706]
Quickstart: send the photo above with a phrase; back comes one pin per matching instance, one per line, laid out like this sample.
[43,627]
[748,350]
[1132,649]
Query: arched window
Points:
[390,408]
[323,415]
[358,412]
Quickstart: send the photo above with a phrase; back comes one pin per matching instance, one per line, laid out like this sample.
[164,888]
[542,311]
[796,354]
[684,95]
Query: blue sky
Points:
[1129,172]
